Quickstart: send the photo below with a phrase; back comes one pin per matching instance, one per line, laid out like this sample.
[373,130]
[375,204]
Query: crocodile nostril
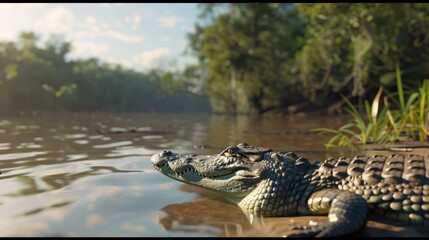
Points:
[166,152]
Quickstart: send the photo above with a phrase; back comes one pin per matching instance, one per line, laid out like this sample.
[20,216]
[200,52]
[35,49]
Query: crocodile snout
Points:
[159,159]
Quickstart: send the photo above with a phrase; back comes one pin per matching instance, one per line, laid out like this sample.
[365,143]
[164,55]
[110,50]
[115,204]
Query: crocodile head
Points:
[237,173]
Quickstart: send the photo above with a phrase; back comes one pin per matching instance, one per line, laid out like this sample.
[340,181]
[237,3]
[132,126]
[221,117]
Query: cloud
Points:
[153,58]
[58,19]
[22,6]
[88,29]
[133,21]
[168,22]
[7,36]
[137,18]
[118,24]
[123,37]
[96,30]
[90,20]
[62,20]
[94,48]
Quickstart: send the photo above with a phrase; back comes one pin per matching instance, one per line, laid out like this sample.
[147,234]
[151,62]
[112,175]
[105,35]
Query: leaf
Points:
[11,70]
[48,88]
[375,104]
[387,78]
[400,88]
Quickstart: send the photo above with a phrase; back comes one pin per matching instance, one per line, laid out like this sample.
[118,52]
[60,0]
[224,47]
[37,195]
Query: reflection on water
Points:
[70,174]
[213,217]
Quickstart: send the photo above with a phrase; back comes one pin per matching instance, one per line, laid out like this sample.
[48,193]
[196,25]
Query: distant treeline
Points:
[34,78]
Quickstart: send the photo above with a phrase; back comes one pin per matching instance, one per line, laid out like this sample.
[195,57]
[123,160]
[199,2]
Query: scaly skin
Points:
[268,183]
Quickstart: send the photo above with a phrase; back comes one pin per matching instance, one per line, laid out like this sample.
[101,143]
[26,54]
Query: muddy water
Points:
[70,174]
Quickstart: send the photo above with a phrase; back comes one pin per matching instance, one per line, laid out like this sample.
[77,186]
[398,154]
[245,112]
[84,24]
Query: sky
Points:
[139,36]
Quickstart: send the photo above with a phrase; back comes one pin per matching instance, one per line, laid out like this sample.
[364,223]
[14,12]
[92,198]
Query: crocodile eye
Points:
[231,150]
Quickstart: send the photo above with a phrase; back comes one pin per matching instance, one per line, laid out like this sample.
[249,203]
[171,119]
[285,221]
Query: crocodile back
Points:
[395,169]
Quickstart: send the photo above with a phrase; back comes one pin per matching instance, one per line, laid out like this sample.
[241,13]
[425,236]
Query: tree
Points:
[247,51]
[361,44]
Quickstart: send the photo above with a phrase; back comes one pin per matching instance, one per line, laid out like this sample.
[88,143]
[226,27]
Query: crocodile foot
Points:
[347,214]
[317,229]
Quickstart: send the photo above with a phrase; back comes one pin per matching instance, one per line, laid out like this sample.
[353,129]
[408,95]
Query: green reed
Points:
[409,120]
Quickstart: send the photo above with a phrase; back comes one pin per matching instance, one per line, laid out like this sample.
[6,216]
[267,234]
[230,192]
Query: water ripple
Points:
[115,144]
[11,156]
[74,136]
[4,146]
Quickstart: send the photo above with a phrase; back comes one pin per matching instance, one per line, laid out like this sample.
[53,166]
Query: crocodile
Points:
[269,183]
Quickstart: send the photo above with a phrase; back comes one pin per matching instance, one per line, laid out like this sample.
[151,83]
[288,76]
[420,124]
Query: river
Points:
[89,174]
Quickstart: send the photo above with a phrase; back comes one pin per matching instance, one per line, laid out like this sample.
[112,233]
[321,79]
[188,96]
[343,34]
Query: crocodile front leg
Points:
[347,213]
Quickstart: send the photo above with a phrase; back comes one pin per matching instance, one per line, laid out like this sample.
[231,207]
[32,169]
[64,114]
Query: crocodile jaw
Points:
[234,183]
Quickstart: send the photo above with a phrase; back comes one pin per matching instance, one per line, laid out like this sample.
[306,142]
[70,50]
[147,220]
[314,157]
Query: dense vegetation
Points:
[39,78]
[409,120]
[270,55]
[253,57]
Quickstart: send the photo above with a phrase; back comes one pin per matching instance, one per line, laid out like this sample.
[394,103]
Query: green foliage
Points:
[411,119]
[402,113]
[265,55]
[360,43]
[11,71]
[419,114]
[171,83]
[373,128]
[413,114]
[64,89]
